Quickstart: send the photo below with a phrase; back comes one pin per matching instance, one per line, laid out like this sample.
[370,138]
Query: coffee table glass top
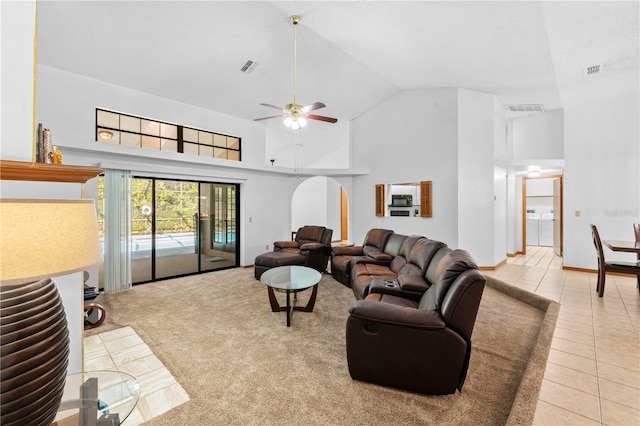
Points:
[97,394]
[294,278]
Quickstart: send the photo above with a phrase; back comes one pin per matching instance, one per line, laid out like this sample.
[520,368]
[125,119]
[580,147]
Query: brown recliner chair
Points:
[418,344]
[313,242]
[373,246]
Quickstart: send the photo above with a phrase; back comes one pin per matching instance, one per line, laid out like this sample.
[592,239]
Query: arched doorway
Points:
[321,201]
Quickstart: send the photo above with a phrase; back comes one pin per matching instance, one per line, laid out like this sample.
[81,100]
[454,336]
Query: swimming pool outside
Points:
[166,244]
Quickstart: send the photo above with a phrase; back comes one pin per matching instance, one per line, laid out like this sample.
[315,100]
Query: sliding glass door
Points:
[218,223]
[175,236]
[181,227]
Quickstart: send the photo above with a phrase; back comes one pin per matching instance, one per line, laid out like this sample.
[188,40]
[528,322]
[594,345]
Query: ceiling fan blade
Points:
[312,107]
[273,106]
[267,118]
[322,118]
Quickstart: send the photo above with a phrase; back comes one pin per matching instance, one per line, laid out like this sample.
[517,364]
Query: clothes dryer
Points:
[545,237]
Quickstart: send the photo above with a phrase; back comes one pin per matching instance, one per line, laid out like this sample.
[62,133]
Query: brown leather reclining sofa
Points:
[417,304]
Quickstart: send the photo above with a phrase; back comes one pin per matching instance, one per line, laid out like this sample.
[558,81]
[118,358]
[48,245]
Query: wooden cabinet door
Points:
[425,199]
[380,199]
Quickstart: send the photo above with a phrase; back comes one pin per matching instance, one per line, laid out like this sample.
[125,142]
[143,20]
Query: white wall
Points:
[476,177]
[410,137]
[334,213]
[602,177]
[539,136]
[309,203]
[316,201]
[17,58]
[318,145]
[67,103]
[514,230]
[500,222]
[446,136]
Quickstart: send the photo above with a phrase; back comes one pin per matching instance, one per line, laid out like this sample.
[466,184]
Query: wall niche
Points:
[412,199]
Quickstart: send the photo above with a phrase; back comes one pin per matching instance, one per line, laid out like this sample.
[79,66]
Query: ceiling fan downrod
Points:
[295,19]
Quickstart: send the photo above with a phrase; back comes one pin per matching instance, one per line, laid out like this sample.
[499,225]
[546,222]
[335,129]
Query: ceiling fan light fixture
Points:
[295,122]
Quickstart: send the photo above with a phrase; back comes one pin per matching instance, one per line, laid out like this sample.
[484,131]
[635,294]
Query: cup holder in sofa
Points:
[391,283]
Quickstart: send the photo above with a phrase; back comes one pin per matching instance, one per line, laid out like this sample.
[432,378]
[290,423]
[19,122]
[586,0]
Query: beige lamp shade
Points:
[46,238]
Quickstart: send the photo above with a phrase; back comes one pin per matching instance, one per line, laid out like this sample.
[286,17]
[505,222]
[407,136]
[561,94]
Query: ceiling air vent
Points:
[526,107]
[249,66]
[593,70]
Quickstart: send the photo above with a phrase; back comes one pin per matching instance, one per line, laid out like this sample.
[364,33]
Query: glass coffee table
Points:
[291,279]
[97,398]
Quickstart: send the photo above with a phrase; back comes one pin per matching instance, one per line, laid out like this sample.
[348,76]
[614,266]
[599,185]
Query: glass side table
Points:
[97,398]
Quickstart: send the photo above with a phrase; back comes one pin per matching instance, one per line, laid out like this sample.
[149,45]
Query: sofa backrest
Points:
[326,237]
[423,251]
[456,291]
[313,234]
[375,240]
[400,264]
[394,243]
[432,270]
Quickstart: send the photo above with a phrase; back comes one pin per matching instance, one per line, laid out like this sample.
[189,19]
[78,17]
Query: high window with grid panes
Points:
[128,130]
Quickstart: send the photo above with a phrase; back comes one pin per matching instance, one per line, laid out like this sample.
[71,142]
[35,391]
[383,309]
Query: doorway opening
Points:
[321,201]
[542,206]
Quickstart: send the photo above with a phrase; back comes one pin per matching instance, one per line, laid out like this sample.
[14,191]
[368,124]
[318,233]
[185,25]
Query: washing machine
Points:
[545,237]
[533,225]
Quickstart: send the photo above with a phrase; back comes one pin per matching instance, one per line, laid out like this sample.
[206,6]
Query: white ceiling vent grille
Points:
[526,107]
[593,70]
[249,66]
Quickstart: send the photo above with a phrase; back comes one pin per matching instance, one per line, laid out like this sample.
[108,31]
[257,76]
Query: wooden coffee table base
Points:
[290,307]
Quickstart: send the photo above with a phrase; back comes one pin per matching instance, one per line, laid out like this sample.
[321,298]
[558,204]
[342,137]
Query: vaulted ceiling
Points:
[351,54]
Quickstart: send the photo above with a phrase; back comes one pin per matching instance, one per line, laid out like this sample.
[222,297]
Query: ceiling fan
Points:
[295,114]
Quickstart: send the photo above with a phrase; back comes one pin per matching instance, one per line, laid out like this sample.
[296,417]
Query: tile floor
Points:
[593,371]
[592,375]
[123,350]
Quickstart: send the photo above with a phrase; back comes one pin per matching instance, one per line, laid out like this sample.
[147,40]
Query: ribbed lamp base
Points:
[34,353]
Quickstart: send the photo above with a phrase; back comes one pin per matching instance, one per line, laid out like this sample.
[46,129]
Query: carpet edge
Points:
[524,404]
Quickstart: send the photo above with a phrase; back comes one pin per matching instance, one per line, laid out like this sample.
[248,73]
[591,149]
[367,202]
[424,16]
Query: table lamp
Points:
[39,239]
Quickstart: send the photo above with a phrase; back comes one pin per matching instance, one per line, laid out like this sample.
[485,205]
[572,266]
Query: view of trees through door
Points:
[181,227]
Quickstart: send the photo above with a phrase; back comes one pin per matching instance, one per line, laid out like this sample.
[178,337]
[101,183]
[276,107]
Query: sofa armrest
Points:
[414,283]
[286,244]
[388,313]
[393,288]
[381,257]
[347,251]
[312,246]
[368,259]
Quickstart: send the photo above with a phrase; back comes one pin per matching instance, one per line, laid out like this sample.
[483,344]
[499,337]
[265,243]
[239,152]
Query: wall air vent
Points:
[593,70]
[526,107]
[248,66]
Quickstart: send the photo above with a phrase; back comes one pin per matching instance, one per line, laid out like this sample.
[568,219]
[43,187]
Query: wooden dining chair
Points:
[617,266]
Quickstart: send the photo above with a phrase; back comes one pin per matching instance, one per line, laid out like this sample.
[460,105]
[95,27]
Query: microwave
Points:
[401,200]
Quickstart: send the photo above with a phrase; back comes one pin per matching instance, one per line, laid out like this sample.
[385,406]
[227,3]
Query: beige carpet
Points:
[240,364]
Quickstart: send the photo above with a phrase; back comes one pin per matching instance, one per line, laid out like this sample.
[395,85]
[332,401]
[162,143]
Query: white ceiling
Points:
[351,55]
